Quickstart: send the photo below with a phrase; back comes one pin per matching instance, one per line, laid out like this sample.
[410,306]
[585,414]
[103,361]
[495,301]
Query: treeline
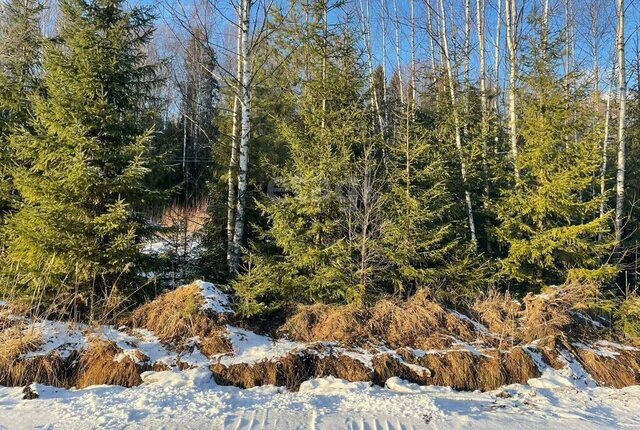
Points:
[333,172]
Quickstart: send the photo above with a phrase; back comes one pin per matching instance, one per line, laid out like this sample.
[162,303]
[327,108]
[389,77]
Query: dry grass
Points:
[416,322]
[99,367]
[343,367]
[499,313]
[288,371]
[196,216]
[519,366]
[48,369]
[545,315]
[619,372]
[177,316]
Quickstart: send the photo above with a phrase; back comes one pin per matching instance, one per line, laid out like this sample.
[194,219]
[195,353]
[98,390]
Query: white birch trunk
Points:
[511,11]
[496,59]
[622,82]
[364,19]
[398,60]
[233,160]
[245,128]
[456,118]
[605,145]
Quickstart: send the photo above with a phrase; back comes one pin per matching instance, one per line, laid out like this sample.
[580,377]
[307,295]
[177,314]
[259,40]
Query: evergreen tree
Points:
[550,220]
[306,254]
[82,162]
[20,42]
[425,231]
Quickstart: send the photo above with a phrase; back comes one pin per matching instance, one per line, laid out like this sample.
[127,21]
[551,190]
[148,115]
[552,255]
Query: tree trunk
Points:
[245,128]
[233,160]
[513,64]
[545,29]
[456,119]
[366,33]
[398,59]
[605,145]
[622,82]
[496,59]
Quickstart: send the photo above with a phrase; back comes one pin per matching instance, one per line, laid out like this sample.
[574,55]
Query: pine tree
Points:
[550,221]
[82,162]
[20,42]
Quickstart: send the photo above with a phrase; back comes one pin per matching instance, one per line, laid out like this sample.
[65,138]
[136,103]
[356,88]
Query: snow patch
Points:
[214,300]
[61,337]
[249,347]
[331,385]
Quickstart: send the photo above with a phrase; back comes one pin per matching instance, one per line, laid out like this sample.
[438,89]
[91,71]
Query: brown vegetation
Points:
[99,366]
[415,323]
[50,369]
[620,369]
[177,317]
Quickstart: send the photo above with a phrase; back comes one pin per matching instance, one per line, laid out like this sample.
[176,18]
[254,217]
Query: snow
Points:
[139,342]
[331,385]
[214,300]
[249,347]
[191,400]
[57,336]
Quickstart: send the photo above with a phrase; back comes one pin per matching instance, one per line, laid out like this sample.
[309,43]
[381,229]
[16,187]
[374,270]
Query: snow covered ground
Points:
[192,400]
[559,399]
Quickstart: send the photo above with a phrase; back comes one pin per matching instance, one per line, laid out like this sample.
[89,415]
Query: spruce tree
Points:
[20,42]
[550,219]
[82,162]
[306,255]
[424,233]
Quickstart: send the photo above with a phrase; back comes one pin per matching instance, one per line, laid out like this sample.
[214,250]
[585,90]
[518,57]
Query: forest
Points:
[319,152]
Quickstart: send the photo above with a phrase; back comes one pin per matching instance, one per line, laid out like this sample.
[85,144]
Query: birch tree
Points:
[456,119]
[622,111]
[245,128]
[233,159]
[512,32]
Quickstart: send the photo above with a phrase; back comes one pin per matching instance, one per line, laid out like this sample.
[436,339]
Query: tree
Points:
[82,162]
[512,44]
[423,236]
[20,42]
[550,221]
[622,111]
[306,254]
[199,102]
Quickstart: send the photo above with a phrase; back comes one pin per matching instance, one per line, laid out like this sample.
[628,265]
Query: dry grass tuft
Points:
[15,370]
[415,323]
[620,371]
[289,371]
[499,312]
[343,367]
[545,315]
[99,367]
[177,316]
[328,323]
[519,366]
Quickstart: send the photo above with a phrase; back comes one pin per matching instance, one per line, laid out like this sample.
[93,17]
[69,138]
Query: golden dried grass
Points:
[98,366]
[177,316]
[415,322]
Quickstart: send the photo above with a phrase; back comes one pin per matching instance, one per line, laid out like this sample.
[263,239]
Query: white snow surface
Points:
[249,347]
[191,400]
[214,300]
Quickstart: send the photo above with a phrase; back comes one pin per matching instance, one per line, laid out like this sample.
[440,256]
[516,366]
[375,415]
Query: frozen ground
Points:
[560,399]
[191,400]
